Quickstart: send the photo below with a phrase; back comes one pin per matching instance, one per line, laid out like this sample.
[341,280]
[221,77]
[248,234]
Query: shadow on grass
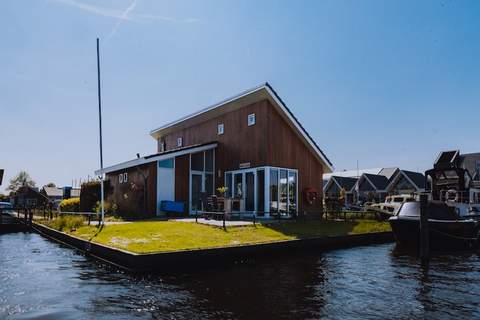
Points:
[97,233]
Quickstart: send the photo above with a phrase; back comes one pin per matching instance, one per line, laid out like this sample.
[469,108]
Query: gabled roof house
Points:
[407,182]
[250,143]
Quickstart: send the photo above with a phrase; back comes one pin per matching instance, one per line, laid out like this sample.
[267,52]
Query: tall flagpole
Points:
[100,128]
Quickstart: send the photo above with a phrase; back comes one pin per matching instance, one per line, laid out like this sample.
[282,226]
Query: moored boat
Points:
[448,231]
[452,210]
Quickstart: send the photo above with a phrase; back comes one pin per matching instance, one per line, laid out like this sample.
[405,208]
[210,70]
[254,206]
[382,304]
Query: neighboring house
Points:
[371,187]
[371,184]
[407,182]
[335,184]
[471,162]
[251,143]
[52,193]
[27,197]
[56,194]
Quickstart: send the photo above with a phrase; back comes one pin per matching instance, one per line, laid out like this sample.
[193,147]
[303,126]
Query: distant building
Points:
[335,184]
[28,197]
[373,184]
[56,194]
[471,162]
[407,182]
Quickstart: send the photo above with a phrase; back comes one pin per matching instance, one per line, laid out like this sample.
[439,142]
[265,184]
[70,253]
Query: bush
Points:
[70,205]
[108,207]
[67,223]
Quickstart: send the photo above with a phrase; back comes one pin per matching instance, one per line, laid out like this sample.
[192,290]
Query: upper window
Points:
[167,163]
[161,146]
[220,128]
[251,119]
[179,142]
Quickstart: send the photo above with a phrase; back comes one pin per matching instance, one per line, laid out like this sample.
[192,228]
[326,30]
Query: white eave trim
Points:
[219,104]
[168,155]
[299,128]
[279,103]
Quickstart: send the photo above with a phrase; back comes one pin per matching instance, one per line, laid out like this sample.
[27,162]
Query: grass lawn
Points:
[162,236]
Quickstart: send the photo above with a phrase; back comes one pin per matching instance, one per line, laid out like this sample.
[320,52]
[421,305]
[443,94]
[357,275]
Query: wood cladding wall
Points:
[271,141]
[129,196]
[182,180]
[240,143]
[286,149]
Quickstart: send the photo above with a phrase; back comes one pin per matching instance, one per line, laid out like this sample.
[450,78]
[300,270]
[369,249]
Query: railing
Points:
[455,196]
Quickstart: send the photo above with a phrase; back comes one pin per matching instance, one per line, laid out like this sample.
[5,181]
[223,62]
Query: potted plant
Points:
[227,203]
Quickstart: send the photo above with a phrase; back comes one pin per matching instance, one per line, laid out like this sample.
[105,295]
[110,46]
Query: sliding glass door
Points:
[202,182]
[263,190]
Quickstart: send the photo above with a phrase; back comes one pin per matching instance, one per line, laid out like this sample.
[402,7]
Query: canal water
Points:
[40,279]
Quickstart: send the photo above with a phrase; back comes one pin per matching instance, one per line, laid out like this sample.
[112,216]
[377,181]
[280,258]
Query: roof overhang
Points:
[262,92]
[157,157]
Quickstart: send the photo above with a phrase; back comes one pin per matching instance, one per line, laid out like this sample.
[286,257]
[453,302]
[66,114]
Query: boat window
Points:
[398,199]
[410,209]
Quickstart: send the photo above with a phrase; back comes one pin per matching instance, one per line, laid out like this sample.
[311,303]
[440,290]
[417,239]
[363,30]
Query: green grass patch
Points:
[163,236]
[66,223]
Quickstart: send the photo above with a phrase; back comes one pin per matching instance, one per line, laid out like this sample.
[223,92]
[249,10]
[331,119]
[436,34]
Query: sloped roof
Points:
[263,91]
[158,156]
[379,182]
[389,173]
[346,183]
[53,191]
[352,173]
[416,177]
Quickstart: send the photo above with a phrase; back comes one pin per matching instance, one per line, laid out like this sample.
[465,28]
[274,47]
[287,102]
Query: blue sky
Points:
[387,83]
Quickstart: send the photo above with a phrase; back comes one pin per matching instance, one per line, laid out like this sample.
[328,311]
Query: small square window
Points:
[179,142]
[220,128]
[251,119]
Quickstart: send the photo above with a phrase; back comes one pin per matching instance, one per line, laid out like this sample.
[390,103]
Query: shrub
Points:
[66,222]
[108,207]
[70,205]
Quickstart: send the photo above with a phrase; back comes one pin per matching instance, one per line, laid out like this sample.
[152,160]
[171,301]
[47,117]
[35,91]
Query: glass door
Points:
[249,191]
[197,180]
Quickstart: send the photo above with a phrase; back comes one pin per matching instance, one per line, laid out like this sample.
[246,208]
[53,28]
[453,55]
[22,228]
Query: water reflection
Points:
[42,280]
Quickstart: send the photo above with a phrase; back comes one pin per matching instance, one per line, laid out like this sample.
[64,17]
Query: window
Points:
[292,191]
[228,184]
[251,119]
[209,160]
[179,142]
[273,190]
[123,177]
[220,128]
[161,146]
[283,191]
[197,161]
[167,163]
[261,191]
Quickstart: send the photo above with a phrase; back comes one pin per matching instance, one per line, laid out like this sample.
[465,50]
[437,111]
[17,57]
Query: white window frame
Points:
[179,142]
[162,145]
[251,119]
[266,199]
[220,129]
[203,173]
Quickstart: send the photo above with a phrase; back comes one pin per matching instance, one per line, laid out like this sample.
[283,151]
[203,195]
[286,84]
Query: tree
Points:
[22,179]
[50,184]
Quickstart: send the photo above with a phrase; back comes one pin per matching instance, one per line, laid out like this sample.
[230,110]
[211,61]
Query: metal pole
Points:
[100,128]
[424,233]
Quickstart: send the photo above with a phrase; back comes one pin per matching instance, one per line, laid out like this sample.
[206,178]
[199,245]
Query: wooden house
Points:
[250,143]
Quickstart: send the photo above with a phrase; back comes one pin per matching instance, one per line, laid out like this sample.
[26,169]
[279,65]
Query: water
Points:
[43,280]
